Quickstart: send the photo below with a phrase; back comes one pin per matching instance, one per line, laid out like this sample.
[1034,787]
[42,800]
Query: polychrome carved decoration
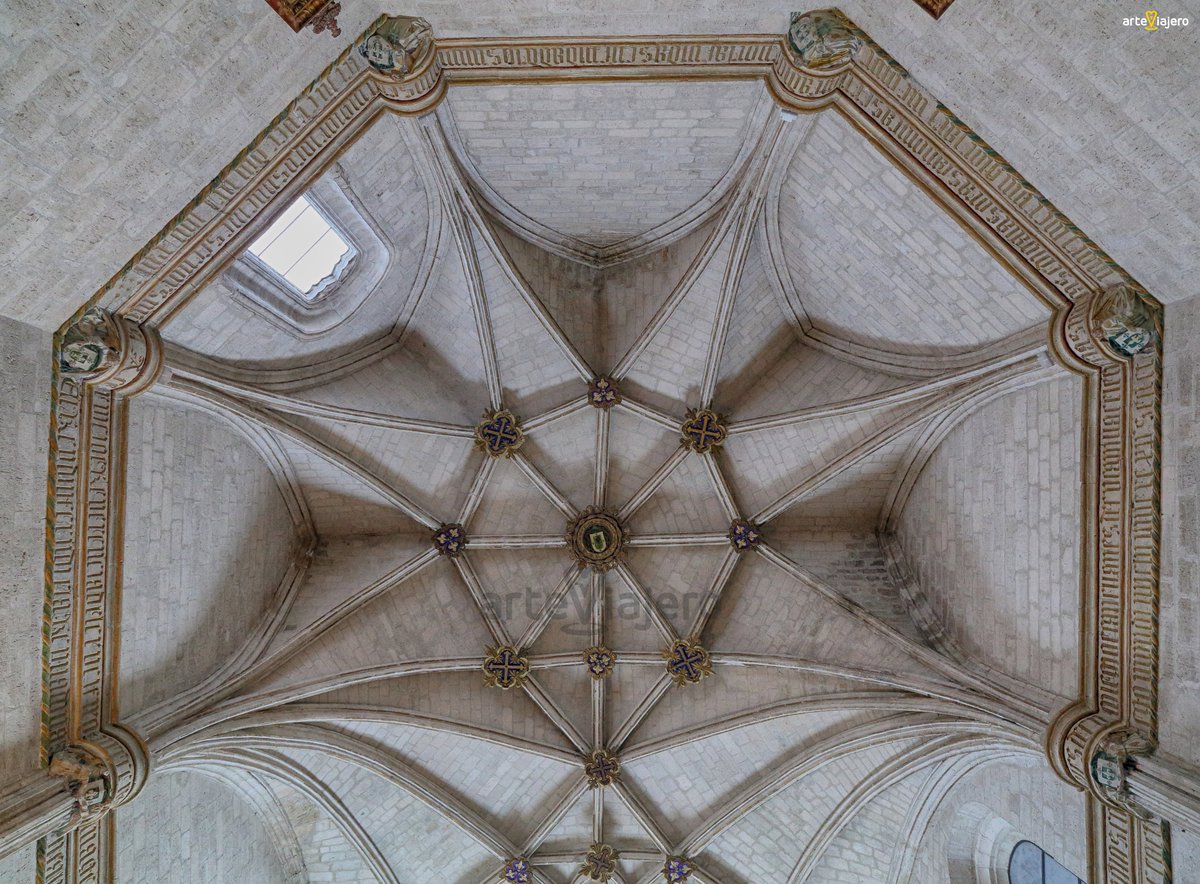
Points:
[703,430]
[935,7]
[326,20]
[505,668]
[823,38]
[398,45]
[687,662]
[320,15]
[499,434]
[744,535]
[109,351]
[596,539]
[1110,762]
[603,393]
[1109,773]
[677,870]
[450,540]
[1125,321]
[601,768]
[599,661]
[90,346]
[600,863]
[517,871]
[88,781]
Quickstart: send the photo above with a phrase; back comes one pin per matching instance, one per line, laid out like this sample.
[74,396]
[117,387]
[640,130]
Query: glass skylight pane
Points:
[295,241]
[301,246]
[272,233]
[320,261]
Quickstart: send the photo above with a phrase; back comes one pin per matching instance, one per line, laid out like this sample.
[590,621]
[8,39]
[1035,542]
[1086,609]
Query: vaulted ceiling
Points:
[896,431]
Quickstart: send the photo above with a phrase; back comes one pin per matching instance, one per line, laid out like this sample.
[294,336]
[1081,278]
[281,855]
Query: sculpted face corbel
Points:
[101,772]
[1113,325]
[402,53]
[1123,320]
[823,38]
[107,351]
[89,780]
[1112,759]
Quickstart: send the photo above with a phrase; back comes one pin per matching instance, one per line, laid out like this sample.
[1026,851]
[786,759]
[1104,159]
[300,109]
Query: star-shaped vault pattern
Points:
[753,475]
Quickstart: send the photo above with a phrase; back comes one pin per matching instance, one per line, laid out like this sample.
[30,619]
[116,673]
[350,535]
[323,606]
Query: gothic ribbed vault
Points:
[897,440]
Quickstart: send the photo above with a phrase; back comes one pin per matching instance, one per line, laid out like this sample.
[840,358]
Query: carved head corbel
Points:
[109,351]
[1124,320]
[89,782]
[398,46]
[823,38]
[1112,760]
[90,347]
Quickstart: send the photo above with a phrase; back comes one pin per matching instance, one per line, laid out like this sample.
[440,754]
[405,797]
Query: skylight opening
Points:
[304,249]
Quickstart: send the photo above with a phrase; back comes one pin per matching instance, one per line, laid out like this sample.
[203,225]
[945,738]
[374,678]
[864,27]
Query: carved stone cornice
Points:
[102,360]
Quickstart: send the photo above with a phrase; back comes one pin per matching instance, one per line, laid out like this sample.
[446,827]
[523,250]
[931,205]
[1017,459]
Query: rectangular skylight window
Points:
[303,248]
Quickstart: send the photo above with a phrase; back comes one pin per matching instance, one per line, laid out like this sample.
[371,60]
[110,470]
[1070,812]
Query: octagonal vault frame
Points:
[855,78]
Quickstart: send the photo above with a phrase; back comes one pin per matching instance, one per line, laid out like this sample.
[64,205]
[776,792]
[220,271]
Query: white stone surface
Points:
[25,362]
[185,827]
[1025,799]
[1179,618]
[208,540]
[604,161]
[858,854]
[873,259]
[992,529]
[765,845]
[19,866]
[1112,151]
[1185,853]
[413,837]
[508,788]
